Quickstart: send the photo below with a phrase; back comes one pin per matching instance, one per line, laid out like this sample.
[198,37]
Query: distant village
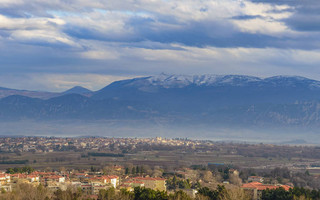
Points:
[51,144]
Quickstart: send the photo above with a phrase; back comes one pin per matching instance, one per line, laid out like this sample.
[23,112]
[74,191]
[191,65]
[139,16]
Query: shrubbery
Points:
[292,194]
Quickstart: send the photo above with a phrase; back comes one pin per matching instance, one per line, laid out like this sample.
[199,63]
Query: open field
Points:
[228,154]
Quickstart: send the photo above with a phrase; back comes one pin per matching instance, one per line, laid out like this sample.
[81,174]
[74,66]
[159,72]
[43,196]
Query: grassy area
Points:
[76,160]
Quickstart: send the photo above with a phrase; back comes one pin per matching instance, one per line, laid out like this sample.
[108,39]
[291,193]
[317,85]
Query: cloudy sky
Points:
[56,44]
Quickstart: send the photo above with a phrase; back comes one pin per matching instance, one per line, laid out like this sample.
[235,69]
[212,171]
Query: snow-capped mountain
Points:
[208,80]
[210,99]
[179,81]
[224,88]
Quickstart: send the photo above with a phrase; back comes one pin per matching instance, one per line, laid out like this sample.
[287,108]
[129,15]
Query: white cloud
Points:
[258,25]
[147,37]
[7,3]
[7,23]
[212,60]
[35,30]
[191,60]
[100,54]
[39,36]
[268,21]
[265,10]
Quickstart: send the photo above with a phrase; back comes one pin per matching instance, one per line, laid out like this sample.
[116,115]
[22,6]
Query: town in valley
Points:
[178,168]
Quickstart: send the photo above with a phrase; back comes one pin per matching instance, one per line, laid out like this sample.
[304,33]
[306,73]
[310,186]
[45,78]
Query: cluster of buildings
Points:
[51,144]
[90,183]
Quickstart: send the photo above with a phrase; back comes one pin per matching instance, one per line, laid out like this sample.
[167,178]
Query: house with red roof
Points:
[5,178]
[112,180]
[33,178]
[256,188]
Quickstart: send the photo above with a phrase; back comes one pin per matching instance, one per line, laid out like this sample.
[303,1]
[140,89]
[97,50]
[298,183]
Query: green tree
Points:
[278,194]
[133,170]
[212,194]
[149,194]
[109,194]
[69,194]
[180,195]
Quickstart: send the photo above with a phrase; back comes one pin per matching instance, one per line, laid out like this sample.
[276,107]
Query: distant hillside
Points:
[231,100]
[210,92]
[5,92]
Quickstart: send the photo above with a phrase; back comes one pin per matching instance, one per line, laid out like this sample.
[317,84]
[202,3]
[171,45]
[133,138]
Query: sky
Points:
[54,45]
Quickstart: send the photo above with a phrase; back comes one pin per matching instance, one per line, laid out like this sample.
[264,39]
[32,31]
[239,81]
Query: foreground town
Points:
[156,168]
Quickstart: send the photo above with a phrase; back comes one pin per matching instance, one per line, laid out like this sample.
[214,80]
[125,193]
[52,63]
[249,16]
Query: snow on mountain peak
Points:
[179,81]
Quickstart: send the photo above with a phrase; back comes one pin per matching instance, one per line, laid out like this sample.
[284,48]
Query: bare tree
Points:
[234,193]
[234,179]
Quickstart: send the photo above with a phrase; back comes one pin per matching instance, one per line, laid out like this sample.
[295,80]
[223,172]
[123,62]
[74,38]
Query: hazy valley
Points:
[282,107]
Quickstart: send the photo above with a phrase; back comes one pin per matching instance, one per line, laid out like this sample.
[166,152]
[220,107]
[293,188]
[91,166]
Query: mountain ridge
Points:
[208,80]
[77,90]
[5,92]
[172,81]
[231,100]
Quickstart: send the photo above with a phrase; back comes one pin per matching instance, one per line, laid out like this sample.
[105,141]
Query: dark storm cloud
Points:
[304,22]
[306,13]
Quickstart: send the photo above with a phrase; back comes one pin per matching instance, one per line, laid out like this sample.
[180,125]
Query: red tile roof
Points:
[260,186]
[54,177]
[3,175]
[112,177]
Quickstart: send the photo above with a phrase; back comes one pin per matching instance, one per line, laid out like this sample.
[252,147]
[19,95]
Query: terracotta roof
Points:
[42,173]
[32,176]
[111,176]
[260,186]
[18,175]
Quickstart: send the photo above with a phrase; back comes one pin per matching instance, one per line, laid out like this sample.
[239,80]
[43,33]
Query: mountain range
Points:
[213,100]
[5,92]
